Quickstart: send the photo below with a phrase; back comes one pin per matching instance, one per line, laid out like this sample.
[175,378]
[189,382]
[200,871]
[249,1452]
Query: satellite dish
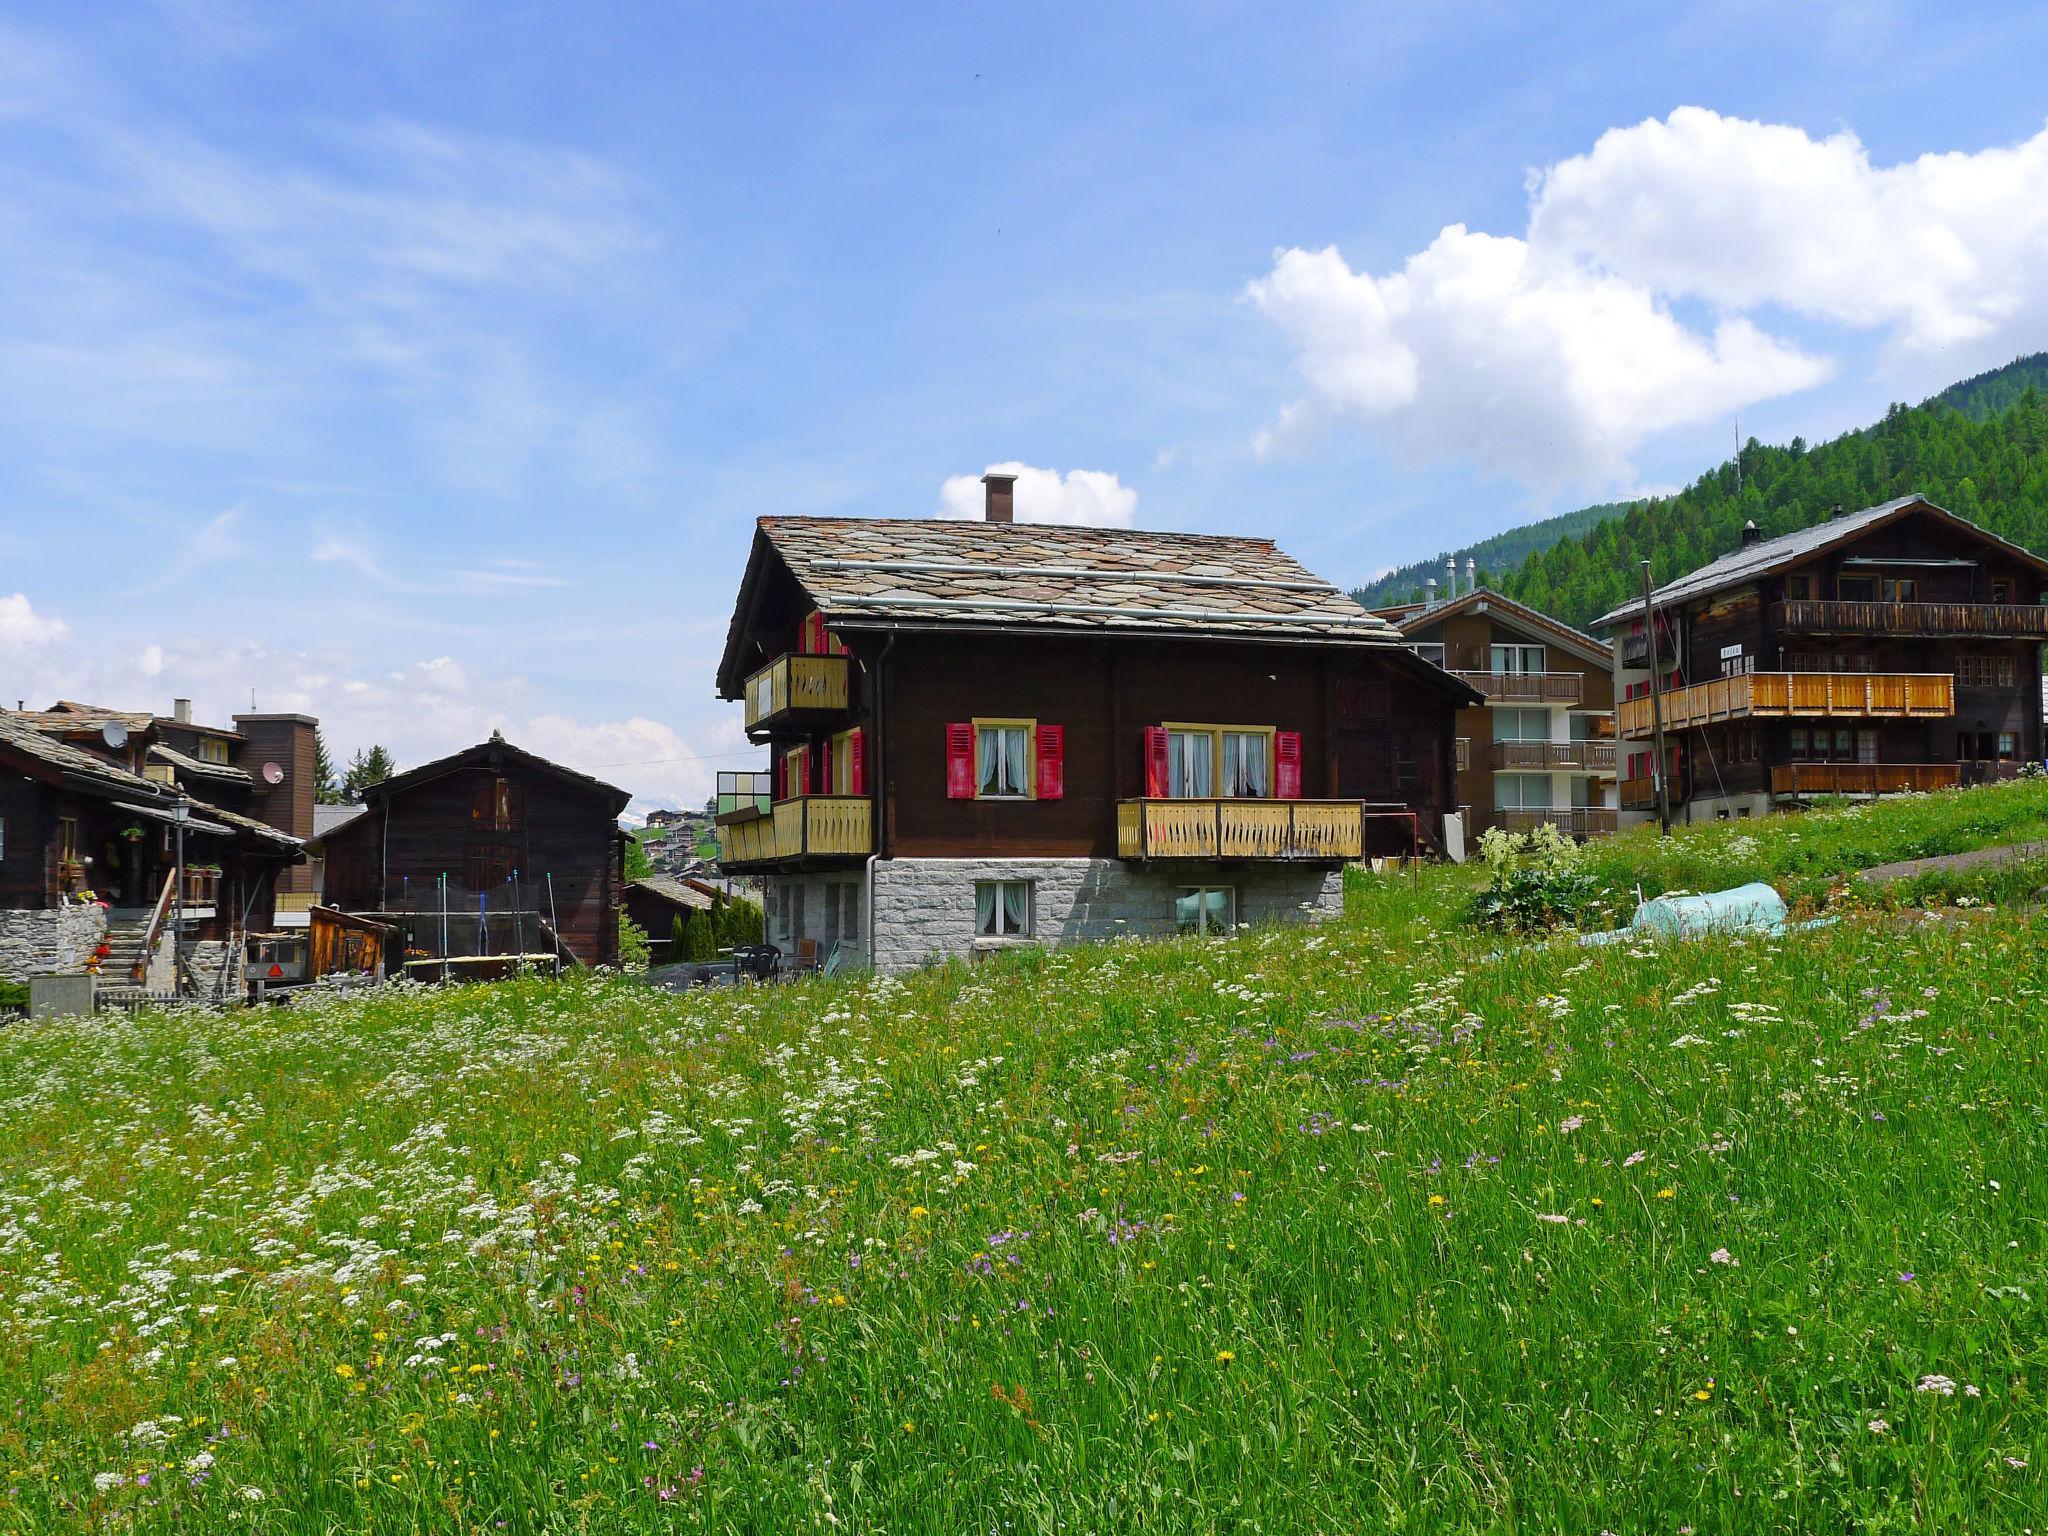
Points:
[272,774]
[114,734]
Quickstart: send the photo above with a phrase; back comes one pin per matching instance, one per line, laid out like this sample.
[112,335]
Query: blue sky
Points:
[424,365]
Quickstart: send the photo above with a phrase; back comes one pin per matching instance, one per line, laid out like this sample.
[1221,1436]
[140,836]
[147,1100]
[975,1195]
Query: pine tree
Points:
[326,785]
[366,770]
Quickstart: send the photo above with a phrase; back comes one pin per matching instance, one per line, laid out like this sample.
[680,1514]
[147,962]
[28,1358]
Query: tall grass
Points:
[1364,1229]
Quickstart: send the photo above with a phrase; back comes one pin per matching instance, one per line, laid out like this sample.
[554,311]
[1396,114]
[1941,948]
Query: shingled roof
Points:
[1749,561]
[891,573]
[487,754]
[98,776]
[1413,618]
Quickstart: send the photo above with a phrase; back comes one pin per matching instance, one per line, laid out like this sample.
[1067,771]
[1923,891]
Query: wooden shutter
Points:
[1052,762]
[960,762]
[1287,765]
[1157,778]
[857,761]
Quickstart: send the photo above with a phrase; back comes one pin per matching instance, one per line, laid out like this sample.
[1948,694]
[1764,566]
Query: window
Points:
[2008,746]
[67,840]
[796,773]
[211,750]
[1856,589]
[847,756]
[1899,589]
[1431,652]
[762,703]
[1206,760]
[1985,672]
[1518,658]
[497,805]
[2001,590]
[1245,765]
[1799,589]
[1205,909]
[1737,666]
[1002,759]
[1521,725]
[1585,727]
[1002,908]
[1521,791]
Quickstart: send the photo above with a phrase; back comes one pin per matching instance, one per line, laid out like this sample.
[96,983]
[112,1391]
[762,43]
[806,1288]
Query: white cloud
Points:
[1945,249]
[1551,358]
[21,626]
[420,711]
[1091,498]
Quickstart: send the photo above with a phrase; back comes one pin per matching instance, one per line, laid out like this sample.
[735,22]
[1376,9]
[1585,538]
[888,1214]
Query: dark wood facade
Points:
[1940,623]
[511,832]
[863,718]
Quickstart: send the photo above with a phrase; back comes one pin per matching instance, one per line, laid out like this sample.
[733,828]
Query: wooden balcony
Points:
[1796,696]
[1989,621]
[1635,649]
[1528,687]
[1863,778]
[809,827]
[1311,830]
[1572,820]
[794,690]
[1640,794]
[1554,756]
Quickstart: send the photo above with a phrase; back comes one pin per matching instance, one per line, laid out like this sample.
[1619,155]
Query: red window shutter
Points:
[781,767]
[857,761]
[1052,762]
[1157,778]
[1287,765]
[960,762]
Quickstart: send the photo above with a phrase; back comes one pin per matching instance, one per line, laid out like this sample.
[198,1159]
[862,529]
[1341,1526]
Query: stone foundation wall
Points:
[924,908]
[38,942]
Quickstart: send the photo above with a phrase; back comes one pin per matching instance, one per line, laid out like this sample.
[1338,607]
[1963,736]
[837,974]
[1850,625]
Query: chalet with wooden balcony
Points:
[93,820]
[1539,747]
[984,734]
[1896,648]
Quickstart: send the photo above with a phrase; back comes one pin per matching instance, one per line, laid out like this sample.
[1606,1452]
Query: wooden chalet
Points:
[1895,648]
[89,846]
[1540,748]
[523,855]
[987,733]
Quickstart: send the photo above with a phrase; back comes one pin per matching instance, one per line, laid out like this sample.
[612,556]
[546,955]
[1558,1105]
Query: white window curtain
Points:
[985,907]
[1189,764]
[1244,765]
[1003,754]
[1016,906]
[1205,909]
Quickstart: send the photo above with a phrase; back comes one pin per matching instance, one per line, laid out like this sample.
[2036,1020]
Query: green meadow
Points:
[1392,1225]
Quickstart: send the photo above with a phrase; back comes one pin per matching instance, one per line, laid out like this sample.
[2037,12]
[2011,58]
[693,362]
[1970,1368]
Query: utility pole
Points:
[1657,774]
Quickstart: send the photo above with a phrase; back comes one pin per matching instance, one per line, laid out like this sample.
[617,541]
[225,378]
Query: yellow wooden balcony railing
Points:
[1862,778]
[1240,829]
[790,686]
[1795,695]
[811,826]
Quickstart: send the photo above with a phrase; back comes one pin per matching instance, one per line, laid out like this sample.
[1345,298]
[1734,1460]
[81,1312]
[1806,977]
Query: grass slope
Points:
[1375,1228]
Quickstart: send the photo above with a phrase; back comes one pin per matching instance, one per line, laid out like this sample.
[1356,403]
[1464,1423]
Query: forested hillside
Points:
[1502,552]
[1979,449]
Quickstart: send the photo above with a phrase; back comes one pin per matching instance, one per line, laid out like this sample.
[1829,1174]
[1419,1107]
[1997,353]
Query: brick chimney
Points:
[1001,504]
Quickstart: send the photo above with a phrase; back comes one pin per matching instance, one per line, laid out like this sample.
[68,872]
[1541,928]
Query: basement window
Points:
[1002,908]
[1207,909]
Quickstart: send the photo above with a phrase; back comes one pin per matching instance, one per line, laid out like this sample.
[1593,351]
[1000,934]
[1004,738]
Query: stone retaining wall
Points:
[38,942]
[924,908]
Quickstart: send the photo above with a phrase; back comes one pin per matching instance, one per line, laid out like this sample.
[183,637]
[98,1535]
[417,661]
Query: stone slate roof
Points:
[886,572]
[118,782]
[198,766]
[482,755]
[1750,561]
[682,893]
[1413,618]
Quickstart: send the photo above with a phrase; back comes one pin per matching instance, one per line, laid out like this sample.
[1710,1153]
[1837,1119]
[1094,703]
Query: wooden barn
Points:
[523,855]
